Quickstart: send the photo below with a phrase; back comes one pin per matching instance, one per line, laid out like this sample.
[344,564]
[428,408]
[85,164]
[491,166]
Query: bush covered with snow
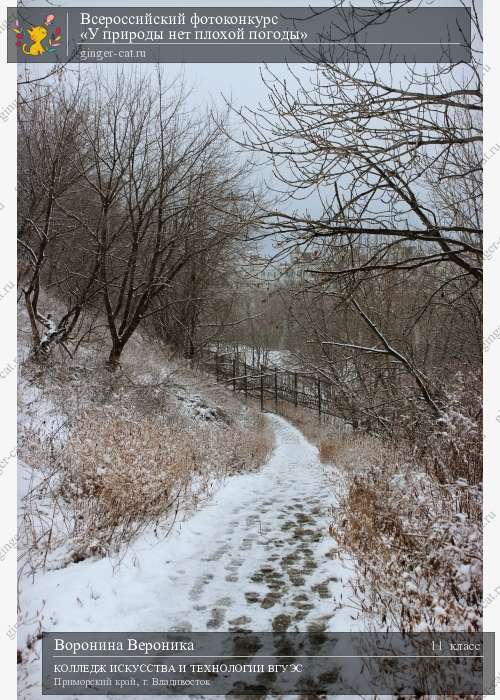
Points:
[411,516]
[107,455]
[114,475]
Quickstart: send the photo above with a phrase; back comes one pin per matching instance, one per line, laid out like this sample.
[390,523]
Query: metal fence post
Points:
[319,397]
[234,374]
[295,396]
[217,365]
[261,389]
[276,389]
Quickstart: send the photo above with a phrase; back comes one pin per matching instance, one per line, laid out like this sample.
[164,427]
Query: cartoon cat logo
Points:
[38,37]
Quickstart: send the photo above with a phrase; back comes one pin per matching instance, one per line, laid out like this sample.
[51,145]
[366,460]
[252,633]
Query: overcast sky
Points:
[212,82]
[241,81]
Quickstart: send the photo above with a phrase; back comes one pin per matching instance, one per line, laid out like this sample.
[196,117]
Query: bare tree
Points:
[392,158]
[49,158]
[159,193]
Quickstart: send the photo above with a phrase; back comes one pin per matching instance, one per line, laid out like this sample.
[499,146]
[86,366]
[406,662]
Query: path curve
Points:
[257,557]
[260,556]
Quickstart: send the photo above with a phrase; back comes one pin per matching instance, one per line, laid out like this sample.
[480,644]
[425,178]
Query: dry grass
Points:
[339,449]
[354,452]
[255,444]
[113,476]
[418,554]
[116,453]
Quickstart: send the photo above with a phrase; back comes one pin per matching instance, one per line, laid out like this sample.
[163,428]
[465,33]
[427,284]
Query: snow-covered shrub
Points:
[417,542]
[114,475]
[410,514]
[452,445]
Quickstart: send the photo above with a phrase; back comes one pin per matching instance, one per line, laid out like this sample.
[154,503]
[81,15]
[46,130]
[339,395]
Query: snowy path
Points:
[258,556]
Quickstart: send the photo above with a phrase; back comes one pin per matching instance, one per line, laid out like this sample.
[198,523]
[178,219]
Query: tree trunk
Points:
[114,357]
[35,333]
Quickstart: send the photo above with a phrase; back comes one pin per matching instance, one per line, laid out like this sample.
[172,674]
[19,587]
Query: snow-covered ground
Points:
[258,556]
[281,359]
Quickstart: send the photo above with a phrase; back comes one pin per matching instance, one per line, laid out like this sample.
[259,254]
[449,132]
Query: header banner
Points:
[238,35]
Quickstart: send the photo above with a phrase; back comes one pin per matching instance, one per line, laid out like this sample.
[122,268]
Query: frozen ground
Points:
[258,556]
